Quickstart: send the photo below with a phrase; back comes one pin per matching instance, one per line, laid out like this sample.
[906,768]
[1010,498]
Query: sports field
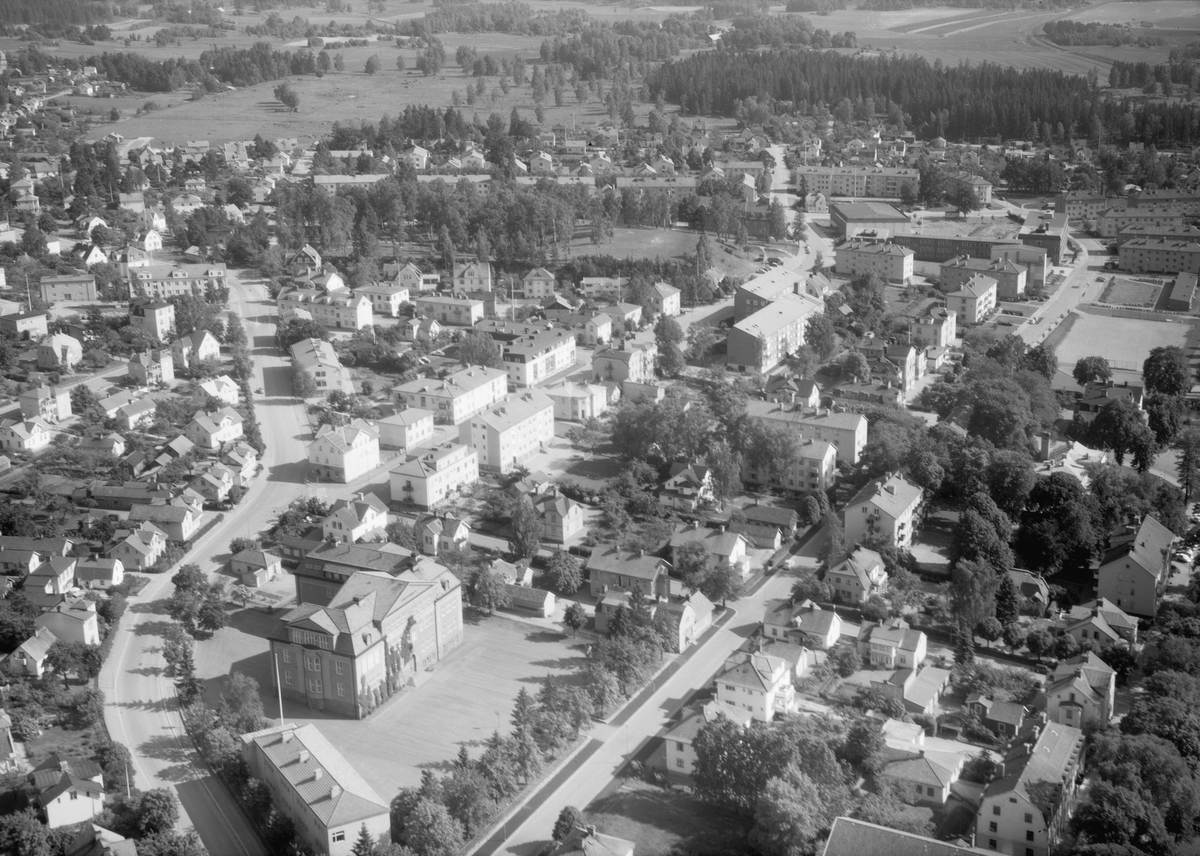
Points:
[1129,292]
[1124,342]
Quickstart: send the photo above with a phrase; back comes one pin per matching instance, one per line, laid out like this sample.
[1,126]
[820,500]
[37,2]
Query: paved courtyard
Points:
[460,702]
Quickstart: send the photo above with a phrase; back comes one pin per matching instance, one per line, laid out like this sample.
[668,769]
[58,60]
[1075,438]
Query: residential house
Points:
[94,840]
[30,656]
[426,479]
[888,506]
[140,548]
[587,841]
[30,435]
[845,430]
[409,428]
[60,353]
[813,468]
[96,572]
[311,782]
[196,347]
[66,790]
[721,545]
[214,484]
[1033,589]
[1027,808]
[70,288]
[1005,718]
[680,739]
[333,657]
[386,297]
[974,300]
[212,430]
[758,683]
[1010,277]
[436,533]
[152,368]
[363,518]
[255,568]
[222,388]
[136,413]
[803,622]
[562,517]
[687,616]
[24,325]
[538,284]
[921,777]
[1096,397]
[632,362]
[1081,692]
[510,432]
[892,644]
[858,576]
[1135,566]
[577,402]
[323,366]
[177,522]
[611,568]
[1100,622]
[50,404]
[766,527]
[687,487]
[344,453]
[663,299]
[450,309]
[936,329]
[456,397]
[72,621]
[473,276]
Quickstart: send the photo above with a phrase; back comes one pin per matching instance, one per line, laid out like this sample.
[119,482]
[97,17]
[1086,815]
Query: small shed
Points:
[533,600]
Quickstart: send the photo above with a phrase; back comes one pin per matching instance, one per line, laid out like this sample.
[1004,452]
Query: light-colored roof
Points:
[1057,749]
[755,671]
[331,788]
[975,287]
[515,411]
[452,385]
[611,559]
[893,495]
[863,564]
[850,837]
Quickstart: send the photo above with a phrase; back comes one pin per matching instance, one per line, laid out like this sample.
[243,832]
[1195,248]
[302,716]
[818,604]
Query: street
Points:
[141,709]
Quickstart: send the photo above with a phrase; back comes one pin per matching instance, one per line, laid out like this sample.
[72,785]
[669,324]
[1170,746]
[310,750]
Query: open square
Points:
[1124,342]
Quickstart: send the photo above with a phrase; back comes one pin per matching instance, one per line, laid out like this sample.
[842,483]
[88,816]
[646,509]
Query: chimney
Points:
[304,756]
[286,736]
[335,791]
[317,774]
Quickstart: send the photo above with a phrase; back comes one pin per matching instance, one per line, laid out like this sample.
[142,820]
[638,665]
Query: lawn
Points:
[1129,292]
[1124,342]
[658,820]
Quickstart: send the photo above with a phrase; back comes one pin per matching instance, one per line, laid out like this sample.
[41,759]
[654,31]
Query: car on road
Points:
[774,261]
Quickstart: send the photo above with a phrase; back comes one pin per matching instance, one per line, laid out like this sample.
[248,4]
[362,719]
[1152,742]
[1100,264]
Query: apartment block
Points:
[1010,277]
[426,479]
[764,339]
[510,432]
[1144,255]
[880,182]
[890,262]
[456,397]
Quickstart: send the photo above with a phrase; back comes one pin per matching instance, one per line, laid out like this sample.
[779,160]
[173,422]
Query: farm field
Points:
[1124,342]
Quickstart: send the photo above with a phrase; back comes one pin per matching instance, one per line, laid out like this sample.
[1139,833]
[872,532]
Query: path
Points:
[141,710]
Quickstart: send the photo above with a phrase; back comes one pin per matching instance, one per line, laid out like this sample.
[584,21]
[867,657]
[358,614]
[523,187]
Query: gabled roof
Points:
[755,671]
[1147,548]
[1054,754]
[893,495]
[38,645]
[928,768]
[57,775]
[612,559]
[861,563]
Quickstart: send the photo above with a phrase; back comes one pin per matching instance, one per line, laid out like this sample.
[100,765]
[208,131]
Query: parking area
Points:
[460,702]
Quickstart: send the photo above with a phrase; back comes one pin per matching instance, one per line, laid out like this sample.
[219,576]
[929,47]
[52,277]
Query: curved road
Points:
[141,709]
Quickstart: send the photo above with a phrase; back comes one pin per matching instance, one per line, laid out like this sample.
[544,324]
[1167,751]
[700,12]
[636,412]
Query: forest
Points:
[54,13]
[1094,33]
[965,102]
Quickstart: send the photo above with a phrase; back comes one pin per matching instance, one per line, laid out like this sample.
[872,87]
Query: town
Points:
[703,473]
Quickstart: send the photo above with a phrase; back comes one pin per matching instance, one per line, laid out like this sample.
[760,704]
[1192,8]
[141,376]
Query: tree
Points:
[785,823]
[963,197]
[1188,463]
[856,367]
[721,583]
[373,64]
[1166,370]
[1007,602]
[1039,642]
[668,334]
[489,590]
[1091,370]
[776,220]
[1041,360]
[430,830]
[564,573]
[990,629]
[401,65]
[477,348]
[186,683]
[568,820]
[821,336]
[527,528]
[364,845]
[575,617]
[287,96]
[303,383]
[1119,427]
[24,834]
[157,810]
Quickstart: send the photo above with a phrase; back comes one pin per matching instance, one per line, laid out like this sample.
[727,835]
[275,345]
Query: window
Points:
[679,745]
[1028,817]
[1029,835]
[991,844]
[314,685]
[341,689]
[287,678]
[340,835]
[287,655]
[339,668]
[74,795]
[678,762]
[992,826]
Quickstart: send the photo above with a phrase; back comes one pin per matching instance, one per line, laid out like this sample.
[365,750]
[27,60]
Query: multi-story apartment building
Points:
[409,428]
[175,280]
[935,329]
[763,340]
[344,453]
[1085,204]
[889,507]
[891,262]
[1026,811]
[815,468]
[633,362]
[386,297]
[846,431]
[531,352]
[1159,233]
[510,432]
[977,183]
[426,479]
[69,288]
[879,182]
[1135,566]
[49,403]
[450,309]
[1010,277]
[1048,231]
[974,300]
[337,308]
[456,397]
[1114,220]
[1144,255]
[313,784]
[322,364]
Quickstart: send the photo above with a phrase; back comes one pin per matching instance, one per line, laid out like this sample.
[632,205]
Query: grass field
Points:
[1124,342]
[658,820]
[1128,292]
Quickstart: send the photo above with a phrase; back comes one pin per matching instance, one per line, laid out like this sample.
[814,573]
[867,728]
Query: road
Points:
[1077,287]
[613,745]
[141,709]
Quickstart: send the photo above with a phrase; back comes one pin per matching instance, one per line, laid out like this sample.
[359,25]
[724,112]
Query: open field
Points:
[461,701]
[1124,342]
[1129,292]
[1165,13]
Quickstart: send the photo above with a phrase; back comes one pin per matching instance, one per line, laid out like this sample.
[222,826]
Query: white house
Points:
[346,452]
[757,683]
